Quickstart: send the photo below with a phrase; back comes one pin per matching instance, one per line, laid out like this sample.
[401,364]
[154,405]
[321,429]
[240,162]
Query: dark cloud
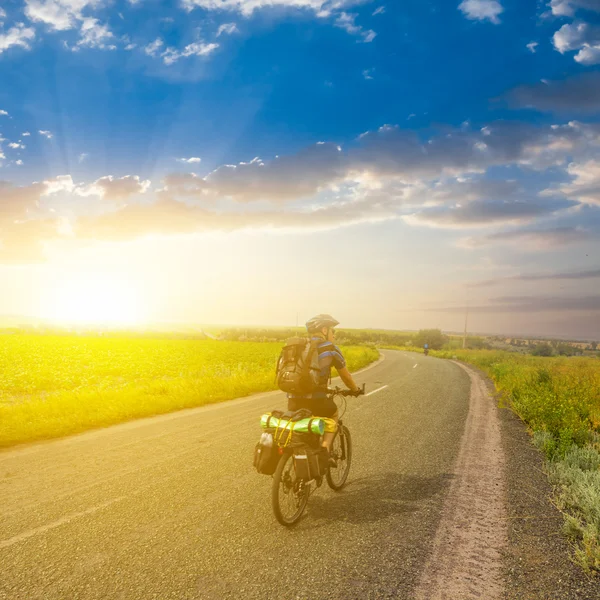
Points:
[534,238]
[532,277]
[530,304]
[577,94]
[483,213]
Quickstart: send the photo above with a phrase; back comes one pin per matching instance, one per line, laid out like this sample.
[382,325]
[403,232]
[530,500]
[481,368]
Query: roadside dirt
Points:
[466,561]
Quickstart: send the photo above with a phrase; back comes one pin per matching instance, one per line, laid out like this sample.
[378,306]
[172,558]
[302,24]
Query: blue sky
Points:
[427,145]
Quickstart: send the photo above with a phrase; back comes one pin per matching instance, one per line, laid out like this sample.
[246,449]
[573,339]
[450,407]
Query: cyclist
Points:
[321,328]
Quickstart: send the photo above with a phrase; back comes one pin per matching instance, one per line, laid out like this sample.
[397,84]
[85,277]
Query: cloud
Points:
[534,277]
[25,133]
[191,160]
[532,47]
[347,22]
[227,28]
[482,213]
[579,36]
[530,304]
[247,7]
[16,146]
[533,239]
[567,8]
[82,157]
[115,189]
[577,94]
[480,10]
[17,36]
[171,55]
[153,48]
[94,35]
[3,113]
[45,133]
[59,14]
[368,73]
[585,186]
[379,11]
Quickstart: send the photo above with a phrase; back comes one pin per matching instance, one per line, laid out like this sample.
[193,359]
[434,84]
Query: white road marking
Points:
[415,366]
[375,391]
[66,519]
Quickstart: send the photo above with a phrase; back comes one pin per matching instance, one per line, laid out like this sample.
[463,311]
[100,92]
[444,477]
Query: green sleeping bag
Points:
[317,426]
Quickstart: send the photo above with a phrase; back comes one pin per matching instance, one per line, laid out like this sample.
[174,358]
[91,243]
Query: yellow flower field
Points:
[52,386]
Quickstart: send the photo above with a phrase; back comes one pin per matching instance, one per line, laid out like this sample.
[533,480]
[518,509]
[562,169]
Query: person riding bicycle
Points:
[319,403]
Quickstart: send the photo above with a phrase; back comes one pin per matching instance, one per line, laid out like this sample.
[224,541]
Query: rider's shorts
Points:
[320,407]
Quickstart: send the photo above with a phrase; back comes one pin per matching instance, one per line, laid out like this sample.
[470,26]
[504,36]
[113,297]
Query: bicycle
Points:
[290,492]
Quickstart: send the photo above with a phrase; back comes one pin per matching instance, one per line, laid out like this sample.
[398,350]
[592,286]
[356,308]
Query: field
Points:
[55,385]
[559,398]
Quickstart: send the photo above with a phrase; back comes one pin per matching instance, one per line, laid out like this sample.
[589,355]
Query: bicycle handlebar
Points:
[343,392]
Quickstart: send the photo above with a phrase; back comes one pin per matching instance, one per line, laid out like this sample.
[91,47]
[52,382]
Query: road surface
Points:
[170,507]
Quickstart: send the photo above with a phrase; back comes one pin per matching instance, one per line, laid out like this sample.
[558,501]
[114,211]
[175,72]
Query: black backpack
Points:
[298,370]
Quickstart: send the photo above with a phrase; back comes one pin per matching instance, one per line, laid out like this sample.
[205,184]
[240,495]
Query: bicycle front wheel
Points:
[341,451]
[289,494]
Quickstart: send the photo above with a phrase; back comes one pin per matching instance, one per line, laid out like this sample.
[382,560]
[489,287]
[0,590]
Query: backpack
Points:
[298,370]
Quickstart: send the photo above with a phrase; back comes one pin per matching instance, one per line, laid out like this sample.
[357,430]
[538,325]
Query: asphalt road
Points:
[171,507]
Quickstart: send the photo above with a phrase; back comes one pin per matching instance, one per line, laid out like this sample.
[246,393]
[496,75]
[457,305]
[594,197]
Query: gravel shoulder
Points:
[537,561]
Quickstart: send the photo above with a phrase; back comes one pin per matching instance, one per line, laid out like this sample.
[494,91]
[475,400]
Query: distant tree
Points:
[542,350]
[566,350]
[594,345]
[434,337]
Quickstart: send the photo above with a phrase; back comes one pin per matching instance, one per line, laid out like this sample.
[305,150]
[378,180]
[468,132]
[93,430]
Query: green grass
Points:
[559,399]
[52,386]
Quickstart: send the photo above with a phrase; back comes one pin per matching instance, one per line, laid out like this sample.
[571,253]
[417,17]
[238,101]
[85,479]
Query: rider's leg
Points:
[328,435]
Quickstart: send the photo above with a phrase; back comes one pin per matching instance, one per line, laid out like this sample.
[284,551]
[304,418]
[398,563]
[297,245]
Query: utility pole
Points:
[466,320]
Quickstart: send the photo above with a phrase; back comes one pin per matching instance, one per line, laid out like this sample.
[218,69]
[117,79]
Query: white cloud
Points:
[115,189]
[567,8]
[368,73]
[3,113]
[585,186]
[2,13]
[579,36]
[191,160]
[82,157]
[227,28]
[347,22]
[60,15]
[479,10]
[379,11]
[171,55]
[16,146]
[247,7]
[19,162]
[45,133]
[93,34]
[62,183]
[532,46]
[25,133]
[153,48]
[17,36]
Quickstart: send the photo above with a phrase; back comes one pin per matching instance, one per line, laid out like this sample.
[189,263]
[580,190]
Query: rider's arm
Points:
[347,378]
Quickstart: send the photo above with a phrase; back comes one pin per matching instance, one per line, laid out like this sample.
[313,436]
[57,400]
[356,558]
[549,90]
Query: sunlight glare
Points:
[97,299]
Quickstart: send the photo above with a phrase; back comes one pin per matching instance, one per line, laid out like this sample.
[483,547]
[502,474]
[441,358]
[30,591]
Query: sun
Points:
[97,299]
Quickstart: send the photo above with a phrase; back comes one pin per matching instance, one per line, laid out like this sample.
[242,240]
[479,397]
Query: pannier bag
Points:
[266,455]
[306,463]
[298,370]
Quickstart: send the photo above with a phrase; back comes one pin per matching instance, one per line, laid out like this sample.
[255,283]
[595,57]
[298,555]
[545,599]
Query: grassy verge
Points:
[51,386]
[559,398]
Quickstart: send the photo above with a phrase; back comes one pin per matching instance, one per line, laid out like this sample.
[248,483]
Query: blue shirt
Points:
[329,356]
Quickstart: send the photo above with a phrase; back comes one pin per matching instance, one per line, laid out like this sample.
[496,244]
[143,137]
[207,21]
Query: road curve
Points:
[170,507]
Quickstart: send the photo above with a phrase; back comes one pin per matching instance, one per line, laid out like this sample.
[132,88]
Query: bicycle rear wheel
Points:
[341,451]
[289,494]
